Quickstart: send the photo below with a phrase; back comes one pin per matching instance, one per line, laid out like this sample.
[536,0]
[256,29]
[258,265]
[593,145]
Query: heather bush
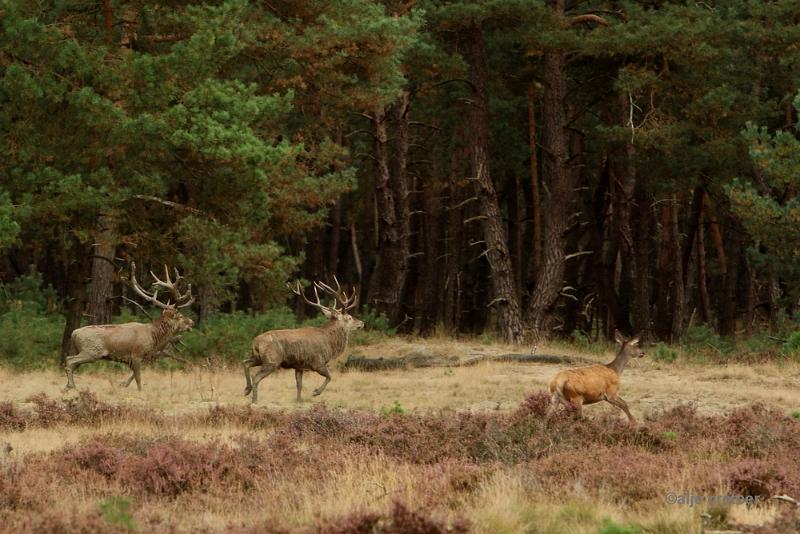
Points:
[787,521]
[401,520]
[246,416]
[748,451]
[10,418]
[48,412]
[98,457]
[762,478]
[534,405]
[62,522]
[173,466]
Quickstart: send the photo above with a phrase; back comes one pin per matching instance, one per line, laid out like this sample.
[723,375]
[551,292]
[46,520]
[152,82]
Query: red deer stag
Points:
[304,349]
[595,383]
[133,343]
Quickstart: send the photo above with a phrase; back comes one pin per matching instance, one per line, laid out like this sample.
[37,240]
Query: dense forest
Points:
[530,168]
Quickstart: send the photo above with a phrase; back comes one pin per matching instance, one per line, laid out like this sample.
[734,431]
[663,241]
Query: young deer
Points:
[595,383]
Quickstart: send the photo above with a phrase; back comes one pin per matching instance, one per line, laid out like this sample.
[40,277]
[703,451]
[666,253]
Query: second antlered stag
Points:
[304,349]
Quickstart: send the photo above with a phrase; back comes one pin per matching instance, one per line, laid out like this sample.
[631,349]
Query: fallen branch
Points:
[421,361]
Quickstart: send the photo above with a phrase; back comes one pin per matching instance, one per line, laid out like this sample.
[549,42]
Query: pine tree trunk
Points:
[678,311]
[453,245]
[727,315]
[332,265]
[503,293]
[76,270]
[663,319]
[641,293]
[705,301]
[429,294]
[559,180]
[391,191]
[752,298]
[536,249]
[774,294]
[514,206]
[100,305]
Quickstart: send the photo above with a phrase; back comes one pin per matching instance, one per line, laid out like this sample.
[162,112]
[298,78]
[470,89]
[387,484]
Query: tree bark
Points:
[429,294]
[391,192]
[514,206]
[536,252]
[559,180]
[678,312]
[76,270]
[336,231]
[100,305]
[705,301]
[453,243]
[694,222]
[727,315]
[641,293]
[503,293]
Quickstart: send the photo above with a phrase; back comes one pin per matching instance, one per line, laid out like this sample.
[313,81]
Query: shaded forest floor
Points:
[417,450]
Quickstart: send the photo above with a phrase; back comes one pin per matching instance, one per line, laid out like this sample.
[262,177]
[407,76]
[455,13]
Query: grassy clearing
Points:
[647,385]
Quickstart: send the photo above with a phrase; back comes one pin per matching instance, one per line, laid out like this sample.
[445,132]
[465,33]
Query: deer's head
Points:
[343,302]
[628,347]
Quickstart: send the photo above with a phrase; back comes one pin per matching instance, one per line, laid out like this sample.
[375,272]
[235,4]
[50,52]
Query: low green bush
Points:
[610,527]
[663,353]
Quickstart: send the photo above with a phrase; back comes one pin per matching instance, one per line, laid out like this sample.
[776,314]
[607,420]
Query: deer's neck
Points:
[619,362]
[338,335]
[162,332]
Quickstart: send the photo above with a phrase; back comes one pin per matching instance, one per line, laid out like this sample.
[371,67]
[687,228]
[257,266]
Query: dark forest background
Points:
[527,168]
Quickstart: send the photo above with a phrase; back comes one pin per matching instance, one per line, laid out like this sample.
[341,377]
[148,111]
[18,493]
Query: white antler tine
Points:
[316,295]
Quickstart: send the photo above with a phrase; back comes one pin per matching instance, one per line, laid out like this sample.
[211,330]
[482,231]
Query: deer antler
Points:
[298,290]
[344,300]
[152,298]
[181,301]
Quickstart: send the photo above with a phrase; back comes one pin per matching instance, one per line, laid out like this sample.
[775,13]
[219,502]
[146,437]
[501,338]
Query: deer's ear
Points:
[618,337]
[328,313]
[634,341]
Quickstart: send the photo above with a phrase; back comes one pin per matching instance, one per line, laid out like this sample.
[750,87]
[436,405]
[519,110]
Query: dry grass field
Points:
[417,450]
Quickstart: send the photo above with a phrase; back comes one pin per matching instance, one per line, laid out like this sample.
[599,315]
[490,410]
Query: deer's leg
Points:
[75,361]
[265,370]
[298,377]
[127,382]
[622,405]
[247,364]
[327,374]
[554,402]
[136,366]
[577,403]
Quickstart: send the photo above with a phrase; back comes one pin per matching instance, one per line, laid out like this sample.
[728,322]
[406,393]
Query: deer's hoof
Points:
[247,391]
[317,392]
